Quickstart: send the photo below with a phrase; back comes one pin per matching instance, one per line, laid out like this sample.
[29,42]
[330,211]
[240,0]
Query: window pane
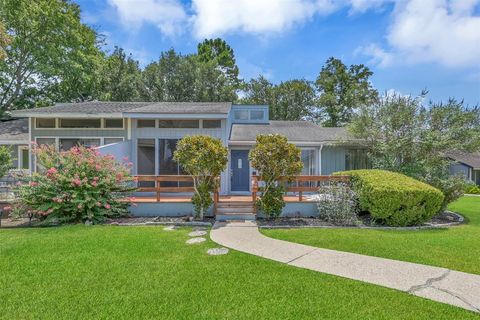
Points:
[145,123]
[113,123]
[46,141]
[211,124]
[178,124]
[356,159]
[241,115]
[80,123]
[45,123]
[146,160]
[25,157]
[256,114]
[112,140]
[167,166]
[308,159]
[67,144]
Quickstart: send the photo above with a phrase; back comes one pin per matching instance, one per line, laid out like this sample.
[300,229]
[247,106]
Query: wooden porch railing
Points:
[158,189]
[295,184]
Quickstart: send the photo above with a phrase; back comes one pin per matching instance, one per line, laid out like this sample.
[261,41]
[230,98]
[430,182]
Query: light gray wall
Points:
[118,150]
[460,169]
[333,159]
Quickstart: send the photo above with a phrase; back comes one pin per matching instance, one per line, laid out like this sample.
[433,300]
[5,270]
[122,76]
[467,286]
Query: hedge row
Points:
[393,198]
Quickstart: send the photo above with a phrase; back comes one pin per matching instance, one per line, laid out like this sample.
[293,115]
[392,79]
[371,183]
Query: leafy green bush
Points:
[275,159]
[472,188]
[393,198]
[77,185]
[204,158]
[5,159]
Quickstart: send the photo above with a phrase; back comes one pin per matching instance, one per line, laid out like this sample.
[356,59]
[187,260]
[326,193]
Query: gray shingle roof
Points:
[14,130]
[102,107]
[301,131]
[471,159]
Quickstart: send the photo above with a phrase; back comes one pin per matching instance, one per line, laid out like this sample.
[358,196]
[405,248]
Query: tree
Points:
[5,40]
[342,90]
[405,136]
[290,100]
[204,158]
[51,55]
[5,160]
[119,78]
[222,56]
[276,161]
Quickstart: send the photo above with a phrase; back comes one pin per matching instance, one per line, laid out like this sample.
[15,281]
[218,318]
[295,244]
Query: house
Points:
[465,164]
[147,133]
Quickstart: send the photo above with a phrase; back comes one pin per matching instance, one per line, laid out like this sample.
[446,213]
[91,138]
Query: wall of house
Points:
[119,150]
[177,133]
[333,159]
[460,169]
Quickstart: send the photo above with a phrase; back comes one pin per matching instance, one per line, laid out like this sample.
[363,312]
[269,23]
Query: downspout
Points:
[320,160]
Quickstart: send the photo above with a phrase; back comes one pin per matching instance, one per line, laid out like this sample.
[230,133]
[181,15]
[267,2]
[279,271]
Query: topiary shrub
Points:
[393,198]
[76,185]
[274,158]
[204,158]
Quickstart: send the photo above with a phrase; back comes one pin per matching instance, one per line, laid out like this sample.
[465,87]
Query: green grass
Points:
[456,248]
[81,272]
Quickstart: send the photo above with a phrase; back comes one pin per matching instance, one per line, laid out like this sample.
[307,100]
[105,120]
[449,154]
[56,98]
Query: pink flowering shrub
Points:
[75,185]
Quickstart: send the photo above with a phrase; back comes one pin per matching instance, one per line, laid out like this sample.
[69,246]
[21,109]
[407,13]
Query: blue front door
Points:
[240,167]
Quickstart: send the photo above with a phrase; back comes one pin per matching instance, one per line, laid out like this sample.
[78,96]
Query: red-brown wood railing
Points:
[295,187]
[158,189]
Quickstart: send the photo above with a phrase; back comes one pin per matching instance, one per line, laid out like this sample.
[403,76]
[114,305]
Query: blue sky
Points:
[409,44]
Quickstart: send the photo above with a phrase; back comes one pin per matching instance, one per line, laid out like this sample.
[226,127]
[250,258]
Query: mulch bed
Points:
[444,219]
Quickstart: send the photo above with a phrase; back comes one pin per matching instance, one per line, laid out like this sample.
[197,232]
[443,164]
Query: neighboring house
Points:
[14,134]
[466,165]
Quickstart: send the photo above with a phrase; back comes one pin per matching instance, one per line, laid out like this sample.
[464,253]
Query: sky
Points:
[410,45]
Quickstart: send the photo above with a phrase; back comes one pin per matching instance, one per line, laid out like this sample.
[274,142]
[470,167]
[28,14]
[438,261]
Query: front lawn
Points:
[456,248]
[81,272]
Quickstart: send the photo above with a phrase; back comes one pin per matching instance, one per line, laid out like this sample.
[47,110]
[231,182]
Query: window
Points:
[114,123]
[68,143]
[308,159]
[212,124]
[167,165]
[256,114]
[146,160]
[145,123]
[356,159]
[241,115]
[112,140]
[46,141]
[44,123]
[80,123]
[23,159]
[178,124]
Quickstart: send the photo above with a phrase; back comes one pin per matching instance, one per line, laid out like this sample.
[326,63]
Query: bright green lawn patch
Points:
[79,272]
[456,248]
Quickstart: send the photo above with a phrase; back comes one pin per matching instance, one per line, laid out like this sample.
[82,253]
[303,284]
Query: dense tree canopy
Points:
[342,90]
[52,55]
[5,40]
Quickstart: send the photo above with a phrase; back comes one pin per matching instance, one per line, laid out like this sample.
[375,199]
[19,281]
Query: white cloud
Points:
[378,55]
[440,31]
[168,15]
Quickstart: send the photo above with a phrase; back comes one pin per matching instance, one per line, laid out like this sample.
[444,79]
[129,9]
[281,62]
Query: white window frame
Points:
[20,158]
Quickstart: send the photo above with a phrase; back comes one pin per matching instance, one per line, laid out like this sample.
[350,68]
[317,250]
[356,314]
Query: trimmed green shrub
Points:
[472,188]
[393,198]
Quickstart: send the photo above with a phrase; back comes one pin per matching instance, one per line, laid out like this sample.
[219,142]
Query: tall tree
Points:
[119,78]
[222,55]
[290,100]
[5,40]
[51,55]
[342,90]
[405,136]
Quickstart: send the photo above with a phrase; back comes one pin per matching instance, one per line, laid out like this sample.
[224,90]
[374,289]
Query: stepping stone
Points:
[170,228]
[196,240]
[217,251]
[198,233]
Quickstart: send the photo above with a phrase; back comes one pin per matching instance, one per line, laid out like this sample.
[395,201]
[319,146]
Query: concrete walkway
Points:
[439,284]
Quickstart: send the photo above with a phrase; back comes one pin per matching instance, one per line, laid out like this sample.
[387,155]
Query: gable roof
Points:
[295,131]
[118,108]
[471,159]
[14,131]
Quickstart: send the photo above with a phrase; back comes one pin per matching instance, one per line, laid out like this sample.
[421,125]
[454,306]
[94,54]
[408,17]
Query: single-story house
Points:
[465,164]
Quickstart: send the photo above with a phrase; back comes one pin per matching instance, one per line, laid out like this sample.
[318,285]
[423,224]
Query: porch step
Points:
[235,216]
